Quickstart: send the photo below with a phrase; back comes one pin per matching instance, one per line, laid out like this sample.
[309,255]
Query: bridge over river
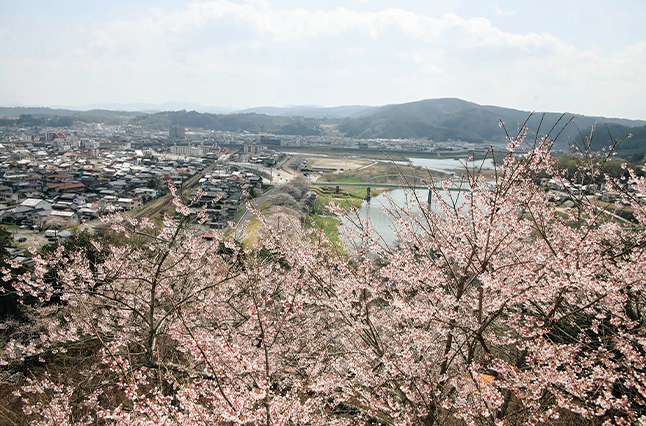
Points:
[454,187]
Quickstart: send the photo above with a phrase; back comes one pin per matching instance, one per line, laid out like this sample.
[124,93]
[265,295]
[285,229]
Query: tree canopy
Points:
[496,307]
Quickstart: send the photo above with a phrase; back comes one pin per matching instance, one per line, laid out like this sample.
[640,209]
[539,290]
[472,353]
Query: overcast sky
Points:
[586,57]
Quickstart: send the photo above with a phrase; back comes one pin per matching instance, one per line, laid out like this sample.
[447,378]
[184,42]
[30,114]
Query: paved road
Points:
[242,223]
[34,238]
[278,174]
[280,177]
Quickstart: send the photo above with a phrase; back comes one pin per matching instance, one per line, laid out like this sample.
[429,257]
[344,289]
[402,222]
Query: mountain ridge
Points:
[308,111]
[455,119]
[442,119]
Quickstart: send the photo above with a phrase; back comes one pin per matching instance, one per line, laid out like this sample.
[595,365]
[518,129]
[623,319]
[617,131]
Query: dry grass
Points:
[328,163]
[382,172]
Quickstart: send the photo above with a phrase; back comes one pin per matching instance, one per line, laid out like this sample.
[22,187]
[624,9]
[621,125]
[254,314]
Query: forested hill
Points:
[231,122]
[442,119]
[633,139]
[56,117]
[433,119]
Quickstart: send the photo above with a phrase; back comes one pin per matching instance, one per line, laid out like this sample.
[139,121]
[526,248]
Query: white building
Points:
[187,150]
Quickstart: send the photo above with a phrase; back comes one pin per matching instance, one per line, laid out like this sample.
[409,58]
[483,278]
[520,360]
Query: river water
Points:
[378,208]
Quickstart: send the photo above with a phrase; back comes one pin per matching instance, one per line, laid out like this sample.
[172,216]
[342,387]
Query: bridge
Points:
[411,178]
[438,185]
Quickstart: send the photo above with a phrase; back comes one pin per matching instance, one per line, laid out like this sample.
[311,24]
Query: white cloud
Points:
[289,25]
[500,12]
[225,52]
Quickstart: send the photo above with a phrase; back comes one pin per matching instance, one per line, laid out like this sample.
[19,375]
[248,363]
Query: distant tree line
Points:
[231,122]
[28,120]
[633,143]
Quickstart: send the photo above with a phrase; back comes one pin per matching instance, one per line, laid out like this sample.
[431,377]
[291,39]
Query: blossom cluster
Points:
[495,307]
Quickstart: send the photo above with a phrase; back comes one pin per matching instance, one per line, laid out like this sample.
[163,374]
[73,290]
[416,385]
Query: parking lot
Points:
[32,238]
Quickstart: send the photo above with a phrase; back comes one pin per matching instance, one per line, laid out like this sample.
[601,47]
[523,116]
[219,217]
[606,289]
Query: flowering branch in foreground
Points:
[496,307]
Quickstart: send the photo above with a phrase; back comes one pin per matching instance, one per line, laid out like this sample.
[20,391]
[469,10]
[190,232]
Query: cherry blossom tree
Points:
[496,307]
[187,330]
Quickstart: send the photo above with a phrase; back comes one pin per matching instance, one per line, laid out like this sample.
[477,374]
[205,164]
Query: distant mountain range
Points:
[61,112]
[150,108]
[288,111]
[308,111]
[350,111]
[433,119]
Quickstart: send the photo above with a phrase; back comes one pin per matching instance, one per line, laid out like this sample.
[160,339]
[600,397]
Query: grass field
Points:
[383,172]
[346,198]
[336,163]
[328,225]
[341,178]
[253,233]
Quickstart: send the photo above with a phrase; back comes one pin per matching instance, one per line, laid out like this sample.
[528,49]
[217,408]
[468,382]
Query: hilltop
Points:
[442,119]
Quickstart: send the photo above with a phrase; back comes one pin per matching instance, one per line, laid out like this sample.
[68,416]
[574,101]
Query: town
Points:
[54,180]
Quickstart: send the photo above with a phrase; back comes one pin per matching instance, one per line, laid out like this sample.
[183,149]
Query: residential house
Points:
[146,194]
[37,204]
[71,217]
[129,203]
[65,187]
[7,195]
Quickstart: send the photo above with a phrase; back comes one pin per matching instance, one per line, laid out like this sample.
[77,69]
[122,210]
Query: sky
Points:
[584,57]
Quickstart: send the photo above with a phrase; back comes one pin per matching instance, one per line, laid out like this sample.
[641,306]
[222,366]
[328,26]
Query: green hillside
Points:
[444,119]
[230,122]
[630,146]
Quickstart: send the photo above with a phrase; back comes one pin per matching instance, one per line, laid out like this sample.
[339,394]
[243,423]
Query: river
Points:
[378,208]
